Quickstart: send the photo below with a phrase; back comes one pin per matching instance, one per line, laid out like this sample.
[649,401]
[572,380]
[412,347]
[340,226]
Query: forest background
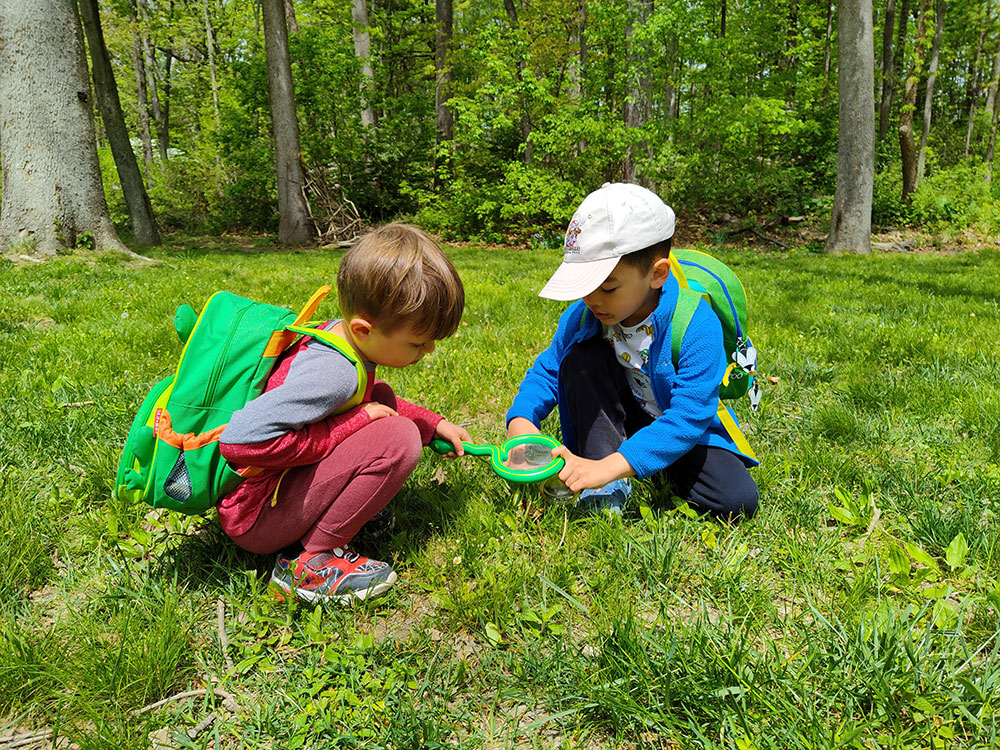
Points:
[490,121]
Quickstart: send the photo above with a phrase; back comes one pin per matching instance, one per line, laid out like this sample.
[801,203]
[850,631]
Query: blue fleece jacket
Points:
[688,396]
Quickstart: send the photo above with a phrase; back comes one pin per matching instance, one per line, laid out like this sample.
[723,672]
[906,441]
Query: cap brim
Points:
[576,280]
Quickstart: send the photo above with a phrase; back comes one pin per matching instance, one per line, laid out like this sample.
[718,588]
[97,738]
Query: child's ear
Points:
[360,328]
[661,272]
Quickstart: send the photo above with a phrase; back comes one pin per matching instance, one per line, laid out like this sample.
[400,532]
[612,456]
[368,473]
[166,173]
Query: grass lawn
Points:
[860,608]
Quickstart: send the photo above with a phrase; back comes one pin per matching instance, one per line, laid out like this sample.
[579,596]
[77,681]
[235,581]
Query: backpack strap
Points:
[338,343]
[687,303]
[282,338]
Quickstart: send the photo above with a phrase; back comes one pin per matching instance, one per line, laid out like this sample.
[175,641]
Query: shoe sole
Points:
[283,591]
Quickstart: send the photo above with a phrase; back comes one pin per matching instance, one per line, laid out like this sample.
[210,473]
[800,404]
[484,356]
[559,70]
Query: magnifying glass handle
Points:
[443,446]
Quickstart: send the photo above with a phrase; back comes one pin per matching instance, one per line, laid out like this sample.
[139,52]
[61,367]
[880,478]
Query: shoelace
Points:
[347,553]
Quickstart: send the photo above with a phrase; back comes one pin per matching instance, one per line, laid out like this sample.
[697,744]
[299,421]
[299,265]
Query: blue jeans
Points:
[605,413]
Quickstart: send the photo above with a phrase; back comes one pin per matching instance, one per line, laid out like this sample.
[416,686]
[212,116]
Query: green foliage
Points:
[956,198]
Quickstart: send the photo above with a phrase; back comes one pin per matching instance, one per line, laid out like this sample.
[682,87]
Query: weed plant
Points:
[860,608]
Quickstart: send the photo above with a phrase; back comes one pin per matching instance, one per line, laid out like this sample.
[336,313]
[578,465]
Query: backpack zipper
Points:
[213,381]
[725,291]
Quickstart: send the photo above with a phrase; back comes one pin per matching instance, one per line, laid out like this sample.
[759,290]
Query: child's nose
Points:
[428,347]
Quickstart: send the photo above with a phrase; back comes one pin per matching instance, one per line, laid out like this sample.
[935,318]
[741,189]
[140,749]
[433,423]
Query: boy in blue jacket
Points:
[624,409]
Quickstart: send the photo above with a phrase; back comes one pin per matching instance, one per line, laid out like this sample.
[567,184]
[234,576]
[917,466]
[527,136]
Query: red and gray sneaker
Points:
[340,575]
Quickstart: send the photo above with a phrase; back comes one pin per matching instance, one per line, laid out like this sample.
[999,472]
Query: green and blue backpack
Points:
[171,457]
[702,276]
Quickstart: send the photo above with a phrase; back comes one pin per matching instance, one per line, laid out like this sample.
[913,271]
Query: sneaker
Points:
[340,575]
[609,499]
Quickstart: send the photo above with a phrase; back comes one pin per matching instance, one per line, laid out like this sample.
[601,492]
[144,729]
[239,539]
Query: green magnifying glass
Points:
[523,459]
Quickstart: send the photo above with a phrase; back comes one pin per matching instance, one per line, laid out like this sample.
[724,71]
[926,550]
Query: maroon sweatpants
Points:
[324,505]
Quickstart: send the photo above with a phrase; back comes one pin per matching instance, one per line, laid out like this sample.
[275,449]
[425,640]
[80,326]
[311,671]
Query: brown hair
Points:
[396,276]
[643,259]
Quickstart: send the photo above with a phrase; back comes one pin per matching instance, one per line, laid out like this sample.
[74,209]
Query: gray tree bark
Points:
[152,80]
[140,211]
[972,87]
[907,147]
[294,226]
[850,224]
[142,106]
[929,93]
[888,71]
[291,22]
[637,104]
[52,191]
[363,51]
[444,119]
[210,45]
[521,65]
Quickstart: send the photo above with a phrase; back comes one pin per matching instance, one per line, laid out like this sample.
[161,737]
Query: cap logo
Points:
[572,235]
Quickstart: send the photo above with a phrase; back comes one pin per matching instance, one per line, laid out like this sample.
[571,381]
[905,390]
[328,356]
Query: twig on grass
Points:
[202,725]
[223,638]
[23,740]
[772,240]
[565,524]
[228,700]
[74,404]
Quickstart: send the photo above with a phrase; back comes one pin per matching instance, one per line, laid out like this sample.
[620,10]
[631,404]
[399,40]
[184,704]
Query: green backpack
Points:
[171,457]
[702,276]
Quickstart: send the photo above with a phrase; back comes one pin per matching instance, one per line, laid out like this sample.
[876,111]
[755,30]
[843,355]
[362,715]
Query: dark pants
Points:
[604,413]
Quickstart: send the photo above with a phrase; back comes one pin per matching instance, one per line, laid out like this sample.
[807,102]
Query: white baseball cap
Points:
[615,220]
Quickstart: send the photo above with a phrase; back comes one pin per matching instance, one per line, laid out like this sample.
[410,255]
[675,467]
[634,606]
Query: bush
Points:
[955,198]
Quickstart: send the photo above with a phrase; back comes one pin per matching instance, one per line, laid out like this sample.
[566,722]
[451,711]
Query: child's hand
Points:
[585,474]
[377,411]
[453,434]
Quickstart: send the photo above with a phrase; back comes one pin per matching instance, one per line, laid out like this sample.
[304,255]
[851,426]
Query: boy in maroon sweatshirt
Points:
[323,466]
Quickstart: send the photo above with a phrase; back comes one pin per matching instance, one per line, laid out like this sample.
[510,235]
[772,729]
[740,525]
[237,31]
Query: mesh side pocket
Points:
[178,483]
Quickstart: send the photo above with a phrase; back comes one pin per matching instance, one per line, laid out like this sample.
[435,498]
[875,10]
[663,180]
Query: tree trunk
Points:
[929,93]
[583,50]
[444,119]
[210,45]
[294,226]
[850,224]
[291,22]
[637,105]
[888,71]
[142,106]
[362,49]
[972,89]
[52,191]
[670,87]
[991,91]
[525,119]
[152,79]
[140,211]
[827,49]
[722,20]
[995,115]
[907,149]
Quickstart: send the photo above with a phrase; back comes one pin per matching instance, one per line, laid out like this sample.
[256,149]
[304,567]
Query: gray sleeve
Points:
[320,380]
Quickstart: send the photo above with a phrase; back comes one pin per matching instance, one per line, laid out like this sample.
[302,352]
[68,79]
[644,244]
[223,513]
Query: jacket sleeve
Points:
[296,422]
[425,420]
[301,447]
[539,390]
[694,397]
